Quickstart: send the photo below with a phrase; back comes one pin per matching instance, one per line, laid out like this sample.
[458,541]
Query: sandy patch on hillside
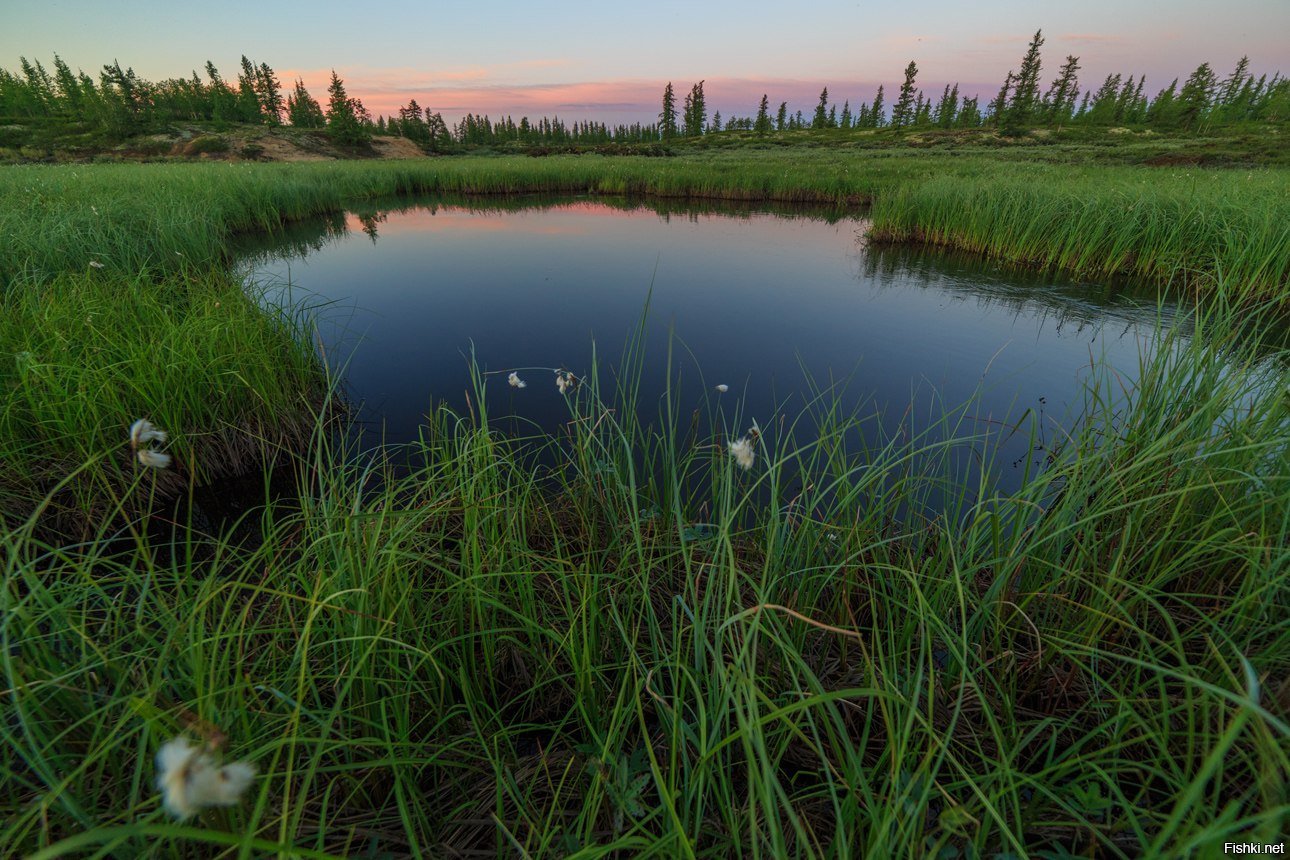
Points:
[270,147]
[397,147]
[279,149]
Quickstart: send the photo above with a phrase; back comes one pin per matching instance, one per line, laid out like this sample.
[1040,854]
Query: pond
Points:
[777,304]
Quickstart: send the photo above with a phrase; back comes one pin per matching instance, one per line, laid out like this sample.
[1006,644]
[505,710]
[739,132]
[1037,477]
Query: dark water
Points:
[754,299]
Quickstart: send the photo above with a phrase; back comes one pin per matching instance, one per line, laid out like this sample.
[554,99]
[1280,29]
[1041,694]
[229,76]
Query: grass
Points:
[1174,226]
[613,641]
[487,655]
[87,354]
[1189,225]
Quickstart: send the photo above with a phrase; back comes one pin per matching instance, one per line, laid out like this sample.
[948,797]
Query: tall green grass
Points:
[640,649]
[645,650]
[1177,227]
[87,354]
[1162,224]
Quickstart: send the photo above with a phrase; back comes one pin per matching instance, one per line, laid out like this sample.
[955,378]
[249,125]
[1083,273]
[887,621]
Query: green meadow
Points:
[615,641]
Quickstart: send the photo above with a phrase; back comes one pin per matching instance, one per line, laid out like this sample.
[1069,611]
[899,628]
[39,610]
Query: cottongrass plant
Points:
[141,433]
[625,649]
[197,355]
[565,381]
[744,449]
[190,780]
[854,650]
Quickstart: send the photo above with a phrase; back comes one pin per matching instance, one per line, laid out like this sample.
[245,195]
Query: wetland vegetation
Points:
[615,640]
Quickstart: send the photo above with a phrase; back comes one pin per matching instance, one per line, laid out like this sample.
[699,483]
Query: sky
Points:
[611,61]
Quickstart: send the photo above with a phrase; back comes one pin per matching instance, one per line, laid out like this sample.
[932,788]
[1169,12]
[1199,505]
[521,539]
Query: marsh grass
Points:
[1169,225]
[640,648]
[87,354]
[611,639]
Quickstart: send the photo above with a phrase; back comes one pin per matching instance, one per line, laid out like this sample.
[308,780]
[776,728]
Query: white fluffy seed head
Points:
[723,388]
[144,431]
[190,781]
[153,459]
[176,761]
[744,453]
[516,382]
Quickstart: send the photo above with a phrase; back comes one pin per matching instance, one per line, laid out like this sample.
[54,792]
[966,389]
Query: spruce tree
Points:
[343,121]
[40,89]
[1025,94]
[269,91]
[1000,103]
[412,124]
[1062,92]
[821,118]
[762,124]
[1194,100]
[1230,92]
[902,114]
[947,107]
[1163,106]
[781,118]
[223,100]
[696,111]
[303,110]
[69,91]
[124,100]
[1231,86]
[1137,111]
[1124,101]
[922,110]
[667,118]
[248,101]
[876,117]
[1101,108]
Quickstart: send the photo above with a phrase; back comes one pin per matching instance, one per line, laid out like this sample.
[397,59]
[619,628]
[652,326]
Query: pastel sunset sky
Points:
[610,61]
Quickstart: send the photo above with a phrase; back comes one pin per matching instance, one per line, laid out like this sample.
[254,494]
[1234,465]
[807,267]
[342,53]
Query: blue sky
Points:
[611,61]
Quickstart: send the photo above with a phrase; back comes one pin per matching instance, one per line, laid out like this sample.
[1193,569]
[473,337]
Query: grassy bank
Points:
[1179,227]
[87,354]
[565,662]
[642,649]
[1172,225]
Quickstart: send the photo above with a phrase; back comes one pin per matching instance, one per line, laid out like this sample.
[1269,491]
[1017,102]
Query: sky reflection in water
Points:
[754,300]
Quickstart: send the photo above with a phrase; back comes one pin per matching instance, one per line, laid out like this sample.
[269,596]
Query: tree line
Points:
[1202,101]
[119,103]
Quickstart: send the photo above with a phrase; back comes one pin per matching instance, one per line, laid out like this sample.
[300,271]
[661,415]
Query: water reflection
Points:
[779,303]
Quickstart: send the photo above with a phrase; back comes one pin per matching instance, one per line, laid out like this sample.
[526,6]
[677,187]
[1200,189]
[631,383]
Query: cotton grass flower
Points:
[565,381]
[745,450]
[153,459]
[142,432]
[744,453]
[95,264]
[516,382]
[189,780]
[723,388]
